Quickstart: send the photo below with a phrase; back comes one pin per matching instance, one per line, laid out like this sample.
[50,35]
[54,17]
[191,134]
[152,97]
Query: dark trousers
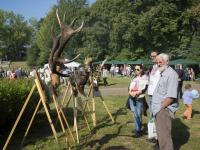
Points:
[163,129]
[105,81]
[179,91]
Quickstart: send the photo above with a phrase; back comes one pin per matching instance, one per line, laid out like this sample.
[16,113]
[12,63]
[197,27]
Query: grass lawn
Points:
[106,135]
[17,64]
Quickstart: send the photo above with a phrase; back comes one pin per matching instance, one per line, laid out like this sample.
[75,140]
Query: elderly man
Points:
[164,102]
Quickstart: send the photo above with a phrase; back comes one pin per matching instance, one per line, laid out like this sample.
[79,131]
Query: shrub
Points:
[13,94]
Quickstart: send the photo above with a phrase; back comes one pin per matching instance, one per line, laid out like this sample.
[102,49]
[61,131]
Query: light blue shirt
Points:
[187,97]
[166,88]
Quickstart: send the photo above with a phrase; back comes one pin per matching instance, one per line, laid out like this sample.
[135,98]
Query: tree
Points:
[15,35]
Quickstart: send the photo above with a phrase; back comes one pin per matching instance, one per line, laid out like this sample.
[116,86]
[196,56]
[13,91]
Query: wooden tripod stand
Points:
[38,86]
[95,93]
[94,90]
[77,101]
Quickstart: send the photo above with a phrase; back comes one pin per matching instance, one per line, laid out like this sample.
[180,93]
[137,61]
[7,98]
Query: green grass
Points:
[17,64]
[119,81]
[106,135]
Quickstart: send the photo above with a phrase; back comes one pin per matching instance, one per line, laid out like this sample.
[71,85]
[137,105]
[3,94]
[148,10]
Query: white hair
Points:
[164,57]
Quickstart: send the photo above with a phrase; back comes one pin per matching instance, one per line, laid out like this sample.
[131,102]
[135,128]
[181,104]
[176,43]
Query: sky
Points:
[29,8]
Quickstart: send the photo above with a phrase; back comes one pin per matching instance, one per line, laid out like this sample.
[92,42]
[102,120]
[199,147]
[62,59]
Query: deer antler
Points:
[59,43]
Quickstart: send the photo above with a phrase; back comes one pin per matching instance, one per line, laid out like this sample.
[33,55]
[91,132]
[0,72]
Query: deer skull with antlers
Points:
[55,61]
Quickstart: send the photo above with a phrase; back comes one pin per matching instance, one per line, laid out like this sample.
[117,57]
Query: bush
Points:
[13,94]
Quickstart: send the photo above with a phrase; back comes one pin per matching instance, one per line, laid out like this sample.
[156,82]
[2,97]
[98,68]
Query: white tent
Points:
[72,64]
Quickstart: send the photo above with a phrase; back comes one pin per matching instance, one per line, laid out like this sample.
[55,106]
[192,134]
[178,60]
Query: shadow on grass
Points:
[109,84]
[98,143]
[194,112]
[116,148]
[103,140]
[40,130]
[180,133]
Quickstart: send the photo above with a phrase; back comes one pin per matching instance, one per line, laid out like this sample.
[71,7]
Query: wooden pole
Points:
[60,119]
[68,126]
[93,112]
[75,119]
[45,107]
[65,95]
[31,121]
[62,103]
[19,117]
[105,106]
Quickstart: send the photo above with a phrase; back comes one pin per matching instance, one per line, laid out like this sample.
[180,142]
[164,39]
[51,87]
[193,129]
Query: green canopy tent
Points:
[115,62]
[128,62]
[97,62]
[184,62]
[139,61]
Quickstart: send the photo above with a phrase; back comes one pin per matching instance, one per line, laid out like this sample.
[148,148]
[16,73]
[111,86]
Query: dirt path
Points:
[115,90]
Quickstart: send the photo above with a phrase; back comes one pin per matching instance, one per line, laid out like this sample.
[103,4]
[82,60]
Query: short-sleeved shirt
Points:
[166,88]
[154,77]
[138,84]
[187,97]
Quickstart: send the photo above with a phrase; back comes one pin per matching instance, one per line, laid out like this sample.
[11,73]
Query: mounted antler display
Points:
[55,61]
[59,43]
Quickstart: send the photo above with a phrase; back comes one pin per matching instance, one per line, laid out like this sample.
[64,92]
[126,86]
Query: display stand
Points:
[77,102]
[93,93]
[38,86]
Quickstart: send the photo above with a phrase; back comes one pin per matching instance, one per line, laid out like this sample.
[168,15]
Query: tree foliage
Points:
[14,37]
[120,29]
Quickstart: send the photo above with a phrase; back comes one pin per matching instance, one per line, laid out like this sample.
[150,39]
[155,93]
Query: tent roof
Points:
[110,62]
[72,64]
[183,61]
[115,62]
[139,61]
[148,62]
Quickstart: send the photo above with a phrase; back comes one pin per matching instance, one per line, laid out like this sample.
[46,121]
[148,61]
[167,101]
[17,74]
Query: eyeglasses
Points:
[153,56]
[136,69]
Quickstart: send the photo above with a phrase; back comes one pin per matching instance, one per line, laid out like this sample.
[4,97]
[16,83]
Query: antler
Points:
[59,43]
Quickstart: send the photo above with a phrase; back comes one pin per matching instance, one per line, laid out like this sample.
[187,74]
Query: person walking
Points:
[164,102]
[136,99]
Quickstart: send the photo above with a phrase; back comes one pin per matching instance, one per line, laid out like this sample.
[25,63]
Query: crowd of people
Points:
[164,88]
[14,73]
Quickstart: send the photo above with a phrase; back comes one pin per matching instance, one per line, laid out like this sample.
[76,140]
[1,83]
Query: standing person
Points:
[192,74]
[112,70]
[164,102]
[181,78]
[187,100]
[154,76]
[18,73]
[104,76]
[137,100]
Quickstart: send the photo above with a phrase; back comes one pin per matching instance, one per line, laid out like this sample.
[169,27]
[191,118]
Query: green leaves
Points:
[14,37]
[13,94]
[123,28]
